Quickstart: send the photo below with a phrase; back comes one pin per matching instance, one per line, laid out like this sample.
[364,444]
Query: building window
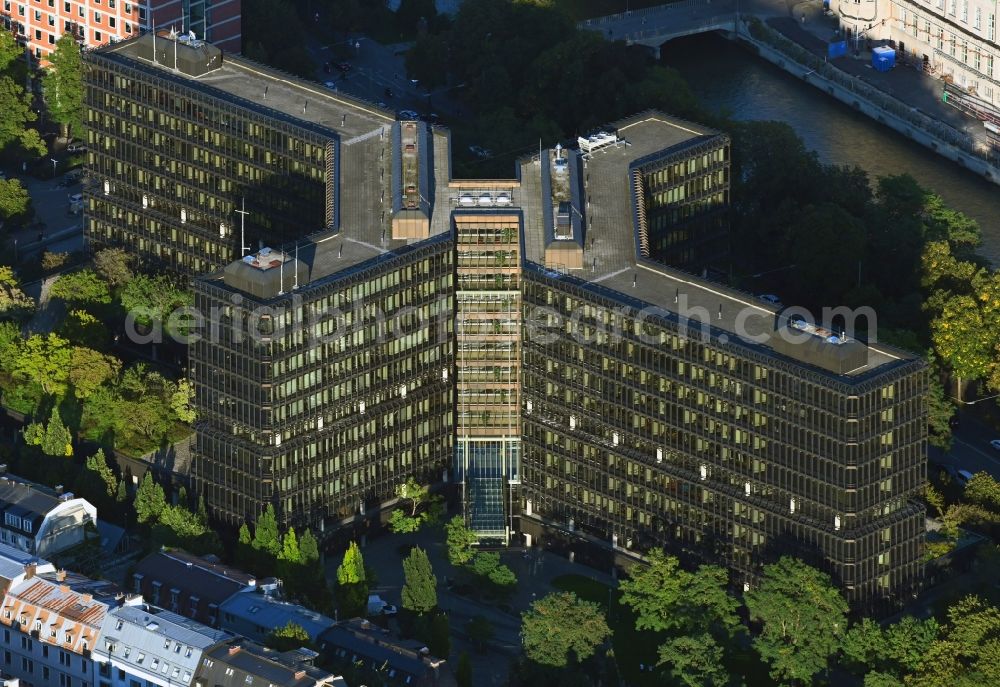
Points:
[952,4]
[965,11]
[977,19]
[52,39]
[97,17]
[991,27]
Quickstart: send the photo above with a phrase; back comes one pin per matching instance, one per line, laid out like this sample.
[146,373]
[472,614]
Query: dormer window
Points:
[119,624]
[140,658]
[127,651]
[166,644]
[155,664]
[68,638]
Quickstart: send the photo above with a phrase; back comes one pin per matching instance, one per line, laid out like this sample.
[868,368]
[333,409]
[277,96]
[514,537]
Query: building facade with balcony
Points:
[957,39]
[38,24]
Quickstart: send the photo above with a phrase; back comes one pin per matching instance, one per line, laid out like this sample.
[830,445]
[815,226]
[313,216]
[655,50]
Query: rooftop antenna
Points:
[296,284]
[154,42]
[242,212]
[305,104]
[174,34]
[281,272]
[265,92]
[340,251]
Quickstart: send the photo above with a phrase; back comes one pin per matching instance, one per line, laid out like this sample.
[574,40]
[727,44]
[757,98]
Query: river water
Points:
[729,79]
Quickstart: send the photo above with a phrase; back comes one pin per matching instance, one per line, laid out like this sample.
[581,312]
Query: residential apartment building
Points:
[526,339]
[255,615]
[241,662]
[141,644]
[38,24]
[49,627]
[189,585]
[197,156]
[42,521]
[366,654]
[958,38]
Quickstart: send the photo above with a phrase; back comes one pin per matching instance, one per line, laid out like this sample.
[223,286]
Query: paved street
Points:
[62,231]
[971,448]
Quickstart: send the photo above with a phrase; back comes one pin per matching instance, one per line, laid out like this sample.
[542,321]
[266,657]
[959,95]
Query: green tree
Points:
[460,541]
[418,497]
[14,303]
[487,565]
[98,465]
[9,50]
[121,495]
[33,433]
[420,586]
[14,199]
[463,671]
[149,500]
[182,402]
[352,583]
[148,298]
[62,86]
[480,631]
[694,661]
[178,526]
[244,548]
[665,597]
[84,329]
[438,637]
[290,552]
[81,288]
[967,653]
[984,491]
[89,370]
[309,547]
[114,265]
[940,410]
[17,114]
[58,440]
[265,533]
[202,510]
[44,360]
[560,628]
[288,637]
[803,617]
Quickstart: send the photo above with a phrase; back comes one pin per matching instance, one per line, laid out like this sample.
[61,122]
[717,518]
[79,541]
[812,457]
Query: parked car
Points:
[480,152]
[344,66]
[388,92]
[408,114]
[77,147]
[995,444]
[331,85]
[76,198]
[963,477]
[389,609]
[771,299]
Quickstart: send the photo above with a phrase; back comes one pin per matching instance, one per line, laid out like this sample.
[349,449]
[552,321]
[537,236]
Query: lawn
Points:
[633,647]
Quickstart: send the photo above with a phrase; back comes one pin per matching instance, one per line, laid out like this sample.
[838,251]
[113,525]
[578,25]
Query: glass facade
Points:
[488,357]
[171,163]
[323,400]
[684,205]
[717,452]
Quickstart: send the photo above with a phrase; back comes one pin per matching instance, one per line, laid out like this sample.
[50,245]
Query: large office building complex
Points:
[530,342]
[38,25]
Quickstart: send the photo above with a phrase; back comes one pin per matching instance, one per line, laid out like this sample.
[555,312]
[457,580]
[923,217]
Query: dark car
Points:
[344,66]
[388,92]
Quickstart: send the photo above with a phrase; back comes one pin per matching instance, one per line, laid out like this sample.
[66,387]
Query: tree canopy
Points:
[62,85]
[803,617]
[560,628]
[420,586]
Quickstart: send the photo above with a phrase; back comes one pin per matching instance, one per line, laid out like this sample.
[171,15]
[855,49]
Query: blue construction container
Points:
[837,49]
[883,59]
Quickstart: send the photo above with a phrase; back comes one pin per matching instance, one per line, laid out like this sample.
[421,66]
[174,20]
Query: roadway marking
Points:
[610,275]
[977,449]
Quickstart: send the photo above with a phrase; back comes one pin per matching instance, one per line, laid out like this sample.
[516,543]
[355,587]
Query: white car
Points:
[995,444]
[408,114]
[331,85]
[480,152]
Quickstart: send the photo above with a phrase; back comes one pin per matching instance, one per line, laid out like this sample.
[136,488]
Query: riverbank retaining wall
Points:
[857,101]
